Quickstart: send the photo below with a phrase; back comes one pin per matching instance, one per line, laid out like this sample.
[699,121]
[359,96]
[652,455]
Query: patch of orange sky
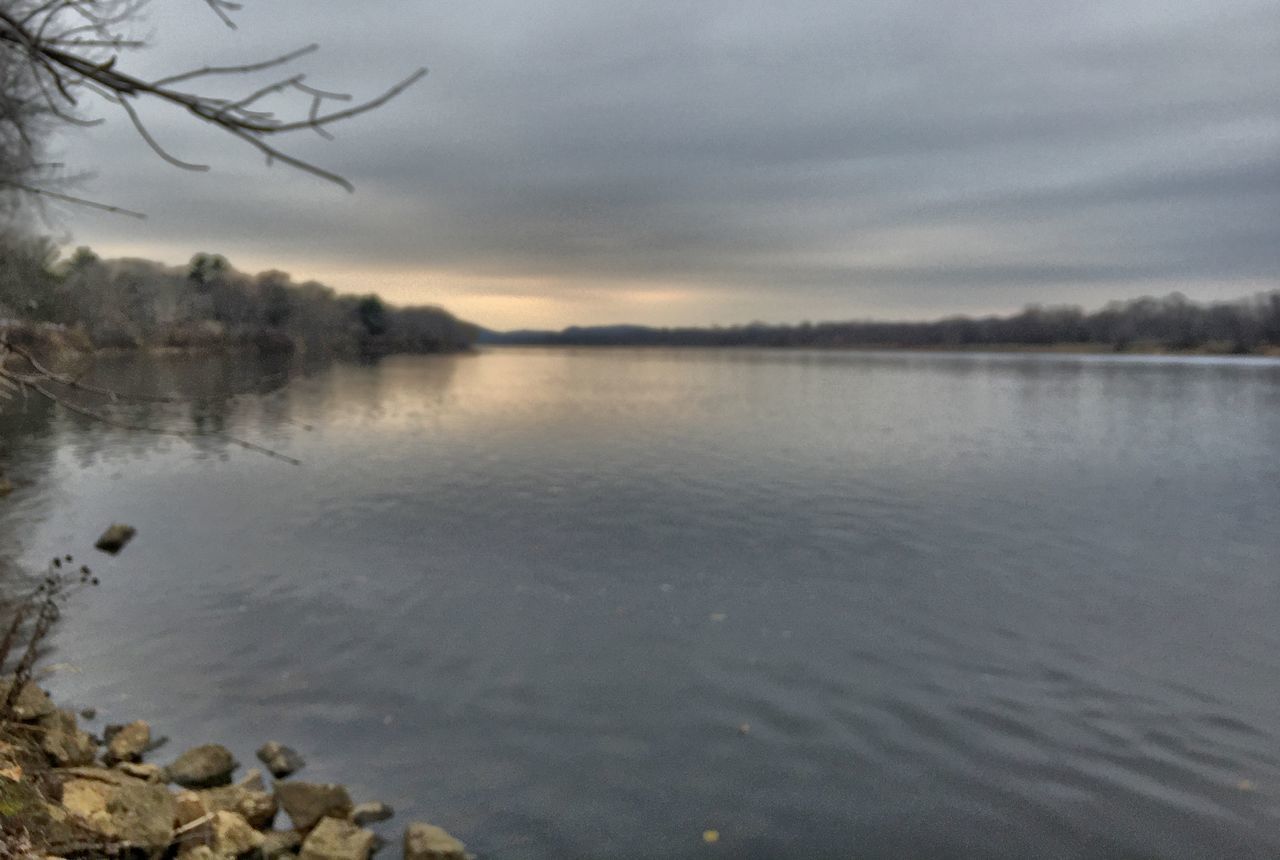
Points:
[495,301]
[505,301]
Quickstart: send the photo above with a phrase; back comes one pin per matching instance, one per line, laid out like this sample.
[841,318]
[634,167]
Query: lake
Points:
[577,603]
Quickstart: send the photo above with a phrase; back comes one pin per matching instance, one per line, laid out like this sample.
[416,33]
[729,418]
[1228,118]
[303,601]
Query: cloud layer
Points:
[582,161]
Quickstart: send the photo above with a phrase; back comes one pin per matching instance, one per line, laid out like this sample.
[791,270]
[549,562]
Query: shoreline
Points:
[974,349]
[66,792]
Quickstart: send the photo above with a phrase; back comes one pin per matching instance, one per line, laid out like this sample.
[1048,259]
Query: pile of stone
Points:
[100,793]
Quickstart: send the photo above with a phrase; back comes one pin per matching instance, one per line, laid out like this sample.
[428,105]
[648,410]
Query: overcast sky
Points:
[589,161]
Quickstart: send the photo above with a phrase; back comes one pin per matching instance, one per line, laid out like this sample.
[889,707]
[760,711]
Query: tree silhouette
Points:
[55,53]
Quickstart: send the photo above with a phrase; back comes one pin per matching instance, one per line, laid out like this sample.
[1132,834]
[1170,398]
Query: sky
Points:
[722,161]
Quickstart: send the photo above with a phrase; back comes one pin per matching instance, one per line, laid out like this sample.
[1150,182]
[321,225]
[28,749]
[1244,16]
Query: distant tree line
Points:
[1171,323]
[132,303]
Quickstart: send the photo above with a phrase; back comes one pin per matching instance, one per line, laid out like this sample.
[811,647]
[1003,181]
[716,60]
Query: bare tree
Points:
[54,53]
[24,124]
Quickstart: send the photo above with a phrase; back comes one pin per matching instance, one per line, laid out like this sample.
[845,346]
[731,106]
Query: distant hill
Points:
[1171,323]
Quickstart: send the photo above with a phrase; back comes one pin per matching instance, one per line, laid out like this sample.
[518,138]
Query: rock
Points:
[198,851]
[280,760]
[335,839]
[205,766]
[308,802]
[232,835]
[127,743]
[428,842]
[194,824]
[64,743]
[88,713]
[367,813]
[19,797]
[23,807]
[8,753]
[188,808]
[32,702]
[227,837]
[6,487]
[144,772]
[55,825]
[280,843]
[256,807]
[115,537]
[252,781]
[246,799]
[120,808]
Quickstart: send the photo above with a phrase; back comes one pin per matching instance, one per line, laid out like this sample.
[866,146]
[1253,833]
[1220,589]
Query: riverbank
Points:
[1140,349]
[206,339]
[68,792]
[1169,325]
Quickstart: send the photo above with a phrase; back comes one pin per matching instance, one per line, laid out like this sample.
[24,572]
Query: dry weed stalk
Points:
[33,617]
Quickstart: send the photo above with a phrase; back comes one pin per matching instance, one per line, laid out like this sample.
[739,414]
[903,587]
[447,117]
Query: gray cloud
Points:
[806,158]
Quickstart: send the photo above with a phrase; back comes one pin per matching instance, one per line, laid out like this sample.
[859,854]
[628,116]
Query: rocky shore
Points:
[65,792]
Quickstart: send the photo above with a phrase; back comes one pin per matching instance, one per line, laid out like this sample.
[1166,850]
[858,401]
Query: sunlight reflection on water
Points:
[968,604]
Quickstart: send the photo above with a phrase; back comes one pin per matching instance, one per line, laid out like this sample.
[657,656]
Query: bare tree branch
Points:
[151,141]
[160,431]
[237,70]
[40,378]
[69,198]
[223,9]
[72,382]
[75,46]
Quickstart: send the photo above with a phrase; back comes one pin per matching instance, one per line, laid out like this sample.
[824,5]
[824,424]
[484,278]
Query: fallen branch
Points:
[41,378]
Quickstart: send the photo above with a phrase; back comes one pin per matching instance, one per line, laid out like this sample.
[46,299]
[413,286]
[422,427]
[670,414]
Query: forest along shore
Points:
[1169,325]
[67,792]
[207,306]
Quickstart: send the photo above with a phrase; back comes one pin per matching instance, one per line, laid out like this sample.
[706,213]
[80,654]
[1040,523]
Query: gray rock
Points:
[115,537]
[120,808]
[367,813]
[32,702]
[127,743]
[335,839]
[308,802]
[428,842]
[280,843]
[280,760]
[205,766]
[88,713]
[64,743]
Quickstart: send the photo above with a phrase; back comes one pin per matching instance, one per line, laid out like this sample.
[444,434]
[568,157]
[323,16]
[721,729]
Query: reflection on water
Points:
[968,605]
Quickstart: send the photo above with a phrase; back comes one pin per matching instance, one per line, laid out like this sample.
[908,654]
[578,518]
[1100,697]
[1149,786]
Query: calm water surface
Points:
[969,605]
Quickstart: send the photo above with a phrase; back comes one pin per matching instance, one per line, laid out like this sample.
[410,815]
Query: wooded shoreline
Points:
[1172,324]
[1139,349]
